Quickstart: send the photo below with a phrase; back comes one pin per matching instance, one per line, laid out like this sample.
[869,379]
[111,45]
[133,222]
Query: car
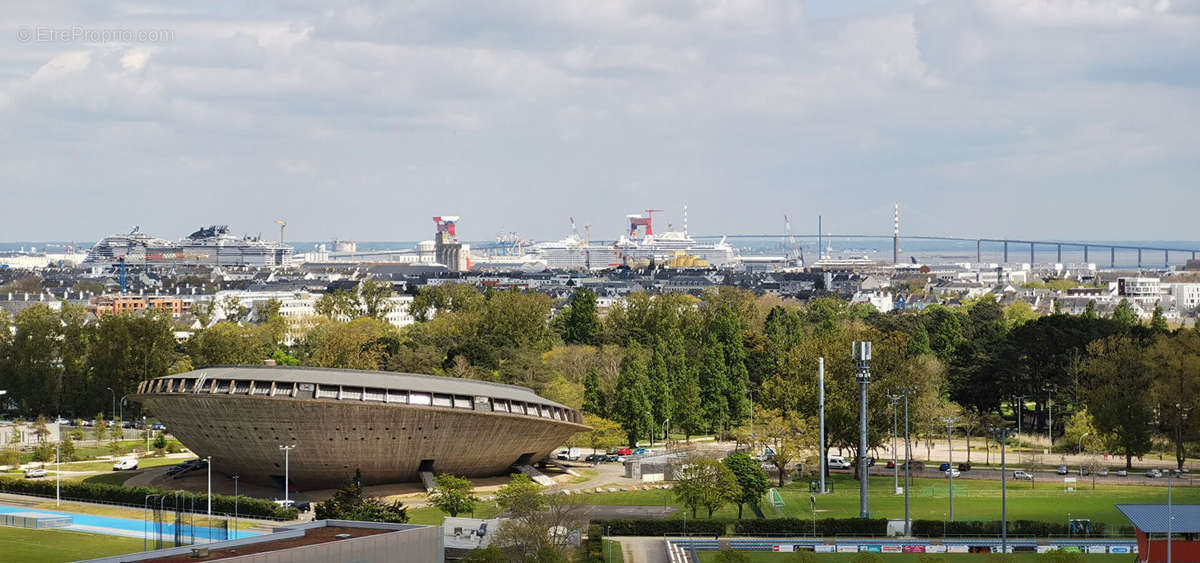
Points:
[891,464]
[625,451]
[1062,470]
[1022,476]
[617,458]
[964,467]
[837,462]
[595,458]
[35,473]
[61,420]
[569,454]
[1103,472]
[870,462]
[125,465]
[1154,473]
[1122,473]
[639,451]
[944,467]
[158,426]
[953,472]
[1084,472]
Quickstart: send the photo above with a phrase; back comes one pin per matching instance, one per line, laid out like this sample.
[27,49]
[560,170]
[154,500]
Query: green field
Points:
[433,517]
[767,557]
[53,546]
[929,499]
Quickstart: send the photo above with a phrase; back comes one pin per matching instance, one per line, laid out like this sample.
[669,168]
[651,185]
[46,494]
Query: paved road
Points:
[643,550]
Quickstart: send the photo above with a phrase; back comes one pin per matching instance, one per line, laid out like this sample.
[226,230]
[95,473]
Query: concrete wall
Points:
[333,438]
[26,433]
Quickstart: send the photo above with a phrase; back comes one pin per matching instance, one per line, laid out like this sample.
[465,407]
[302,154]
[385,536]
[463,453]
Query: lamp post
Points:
[122,411]
[895,467]
[114,400]
[235,505]
[1050,416]
[949,420]
[1003,491]
[286,471]
[57,472]
[862,358]
[666,428]
[907,467]
[1081,441]
[209,460]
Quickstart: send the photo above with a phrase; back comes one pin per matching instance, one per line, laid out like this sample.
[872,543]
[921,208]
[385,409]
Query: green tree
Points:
[1124,315]
[489,554]
[631,408]
[595,400]
[1118,381]
[339,305]
[375,296]
[706,483]
[521,496]
[604,433]
[66,449]
[453,495]
[581,322]
[348,503]
[752,480]
[1158,322]
[40,430]
[1090,311]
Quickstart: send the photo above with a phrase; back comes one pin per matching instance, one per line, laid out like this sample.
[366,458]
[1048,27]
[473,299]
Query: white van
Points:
[837,462]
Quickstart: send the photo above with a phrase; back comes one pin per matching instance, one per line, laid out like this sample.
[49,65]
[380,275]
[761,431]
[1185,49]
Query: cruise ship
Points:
[574,253]
[208,246]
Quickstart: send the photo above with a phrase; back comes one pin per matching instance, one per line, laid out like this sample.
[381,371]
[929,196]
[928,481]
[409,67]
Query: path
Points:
[643,550]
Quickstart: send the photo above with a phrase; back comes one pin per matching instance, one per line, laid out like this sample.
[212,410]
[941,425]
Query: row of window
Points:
[354,393]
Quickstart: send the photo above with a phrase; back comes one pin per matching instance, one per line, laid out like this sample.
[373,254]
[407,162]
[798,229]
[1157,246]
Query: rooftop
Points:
[1152,518]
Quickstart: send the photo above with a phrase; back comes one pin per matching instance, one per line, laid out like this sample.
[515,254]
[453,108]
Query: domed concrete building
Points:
[392,426]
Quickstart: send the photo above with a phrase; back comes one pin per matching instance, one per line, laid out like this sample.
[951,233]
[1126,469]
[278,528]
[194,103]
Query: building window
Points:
[420,398]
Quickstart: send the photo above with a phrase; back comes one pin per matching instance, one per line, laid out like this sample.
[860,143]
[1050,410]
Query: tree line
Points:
[650,363]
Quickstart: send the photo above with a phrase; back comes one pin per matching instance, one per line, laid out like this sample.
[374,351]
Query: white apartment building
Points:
[1143,291]
[1187,295]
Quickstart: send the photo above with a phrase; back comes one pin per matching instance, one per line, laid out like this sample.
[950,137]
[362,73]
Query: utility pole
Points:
[821,417]
[1020,414]
[235,505]
[209,459]
[1050,416]
[1003,494]
[949,420]
[862,357]
[907,468]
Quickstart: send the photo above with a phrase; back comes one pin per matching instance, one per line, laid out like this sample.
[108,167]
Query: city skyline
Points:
[989,118]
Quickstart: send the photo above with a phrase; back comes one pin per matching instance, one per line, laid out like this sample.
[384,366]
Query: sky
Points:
[1056,119]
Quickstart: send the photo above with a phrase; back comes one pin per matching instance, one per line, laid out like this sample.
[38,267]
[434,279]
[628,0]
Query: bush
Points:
[662,527]
[43,453]
[1018,528]
[136,496]
[9,456]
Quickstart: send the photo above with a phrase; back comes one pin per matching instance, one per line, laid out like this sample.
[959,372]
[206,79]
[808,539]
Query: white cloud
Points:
[362,118]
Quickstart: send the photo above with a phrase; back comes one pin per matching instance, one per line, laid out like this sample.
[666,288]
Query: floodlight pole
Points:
[821,416]
[862,357]
[1020,414]
[907,467]
[1003,494]
[950,472]
[895,467]
[235,505]
[58,470]
[209,459]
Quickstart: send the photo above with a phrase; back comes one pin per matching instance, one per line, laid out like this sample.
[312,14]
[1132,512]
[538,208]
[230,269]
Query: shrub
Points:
[9,456]
[662,527]
[800,526]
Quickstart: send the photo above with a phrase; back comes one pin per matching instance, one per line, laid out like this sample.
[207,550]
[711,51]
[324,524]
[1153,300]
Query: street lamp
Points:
[114,400]
[907,464]
[895,468]
[1050,416]
[949,420]
[1003,490]
[286,471]
[209,460]
[1081,441]
[666,428]
[57,472]
[1020,414]
[862,358]
[235,505]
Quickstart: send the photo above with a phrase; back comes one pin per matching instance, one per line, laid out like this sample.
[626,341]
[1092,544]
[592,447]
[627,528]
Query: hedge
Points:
[1032,528]
[662,527]
[136,496]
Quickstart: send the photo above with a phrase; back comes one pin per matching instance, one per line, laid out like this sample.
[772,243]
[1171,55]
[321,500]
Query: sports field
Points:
[53,546]
[929,499]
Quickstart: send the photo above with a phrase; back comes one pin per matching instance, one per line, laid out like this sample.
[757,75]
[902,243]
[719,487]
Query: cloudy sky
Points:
[1037,118]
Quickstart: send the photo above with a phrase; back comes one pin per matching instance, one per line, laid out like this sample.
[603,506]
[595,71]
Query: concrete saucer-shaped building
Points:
[392,426]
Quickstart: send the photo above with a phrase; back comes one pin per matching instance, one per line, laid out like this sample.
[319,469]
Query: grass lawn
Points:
[433,517]
[929,498]
[53,546]
[768,557]
[143,463]
[612,552]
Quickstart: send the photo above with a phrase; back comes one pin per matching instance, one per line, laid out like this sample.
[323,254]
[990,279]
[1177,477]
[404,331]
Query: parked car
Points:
[870,462]
[1103,472]
[125,465]
[639,451]
[964,467]
[625,451]
[1062,470]
[35,473]
[953,472]
[595,458]
[1154,473]
[944,466]
[1022,476]
[837,462]
[1084,472]
[1122,473]
[569,454]
[61,420]
[158,426]
[891,464]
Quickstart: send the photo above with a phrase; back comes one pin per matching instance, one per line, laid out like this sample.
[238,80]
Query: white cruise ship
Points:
[212,246]
[574,253]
